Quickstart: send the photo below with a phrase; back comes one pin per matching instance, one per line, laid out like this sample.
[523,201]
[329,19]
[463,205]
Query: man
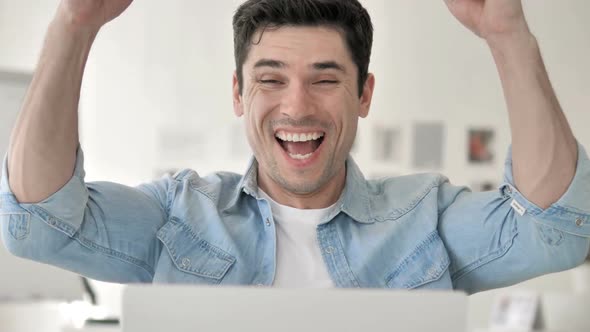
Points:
[302,215]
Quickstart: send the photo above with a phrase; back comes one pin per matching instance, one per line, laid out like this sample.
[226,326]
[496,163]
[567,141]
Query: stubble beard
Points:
[303,186]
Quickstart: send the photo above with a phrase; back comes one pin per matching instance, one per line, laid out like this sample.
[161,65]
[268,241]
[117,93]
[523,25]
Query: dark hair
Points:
[349,16]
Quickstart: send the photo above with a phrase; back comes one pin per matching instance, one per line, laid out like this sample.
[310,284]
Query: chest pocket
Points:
[425,267]
[197,259]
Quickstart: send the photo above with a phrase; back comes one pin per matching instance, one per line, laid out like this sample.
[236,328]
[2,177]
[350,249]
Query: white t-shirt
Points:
[299,259]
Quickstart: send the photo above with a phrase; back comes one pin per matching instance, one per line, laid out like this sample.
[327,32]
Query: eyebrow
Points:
[324,65]
[328,65]
[269,63]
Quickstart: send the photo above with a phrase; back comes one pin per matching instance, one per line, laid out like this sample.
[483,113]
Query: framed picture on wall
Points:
[429,140]
[483,185]
[387,143]
[480,146]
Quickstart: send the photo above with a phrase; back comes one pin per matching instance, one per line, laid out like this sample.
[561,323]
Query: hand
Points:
[491,20]
[91,13]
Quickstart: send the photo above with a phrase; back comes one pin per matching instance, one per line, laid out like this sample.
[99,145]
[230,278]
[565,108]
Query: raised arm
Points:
[544,150]
[42,149]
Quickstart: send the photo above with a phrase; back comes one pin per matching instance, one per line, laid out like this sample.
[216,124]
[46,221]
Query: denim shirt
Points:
[416,231]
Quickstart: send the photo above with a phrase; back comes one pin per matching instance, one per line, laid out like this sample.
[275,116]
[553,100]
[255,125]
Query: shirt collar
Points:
[354,200]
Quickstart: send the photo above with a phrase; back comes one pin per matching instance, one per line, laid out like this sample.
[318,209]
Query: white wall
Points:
[22,26]
[174,65]
[168,64]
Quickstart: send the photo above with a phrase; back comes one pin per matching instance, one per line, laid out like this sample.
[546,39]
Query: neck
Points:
[324,197]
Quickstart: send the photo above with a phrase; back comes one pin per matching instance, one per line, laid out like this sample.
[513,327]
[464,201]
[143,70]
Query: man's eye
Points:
[273,82]
[326,82]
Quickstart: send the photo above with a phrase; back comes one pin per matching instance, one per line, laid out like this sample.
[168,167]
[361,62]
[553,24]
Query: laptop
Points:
[182,308]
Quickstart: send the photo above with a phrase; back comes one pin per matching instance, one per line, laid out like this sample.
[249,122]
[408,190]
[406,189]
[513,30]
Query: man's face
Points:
[301,107]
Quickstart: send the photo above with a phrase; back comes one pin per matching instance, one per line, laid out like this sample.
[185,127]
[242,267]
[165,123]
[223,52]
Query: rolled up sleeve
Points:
[64,210]
[499,238]
[571,213]
[103,230]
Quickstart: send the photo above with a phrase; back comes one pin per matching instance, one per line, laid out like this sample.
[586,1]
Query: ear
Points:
[367,95]
[237,98]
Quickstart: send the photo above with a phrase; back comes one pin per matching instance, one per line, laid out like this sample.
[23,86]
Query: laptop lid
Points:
[190,308]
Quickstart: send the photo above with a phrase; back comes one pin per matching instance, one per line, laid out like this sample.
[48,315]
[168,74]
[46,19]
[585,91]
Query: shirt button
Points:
[330,250]
[579,221]
[508,189]
[52,221]
[267,222]
[185,263]
[432,273]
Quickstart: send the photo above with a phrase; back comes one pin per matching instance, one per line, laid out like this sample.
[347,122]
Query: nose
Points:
[297,103]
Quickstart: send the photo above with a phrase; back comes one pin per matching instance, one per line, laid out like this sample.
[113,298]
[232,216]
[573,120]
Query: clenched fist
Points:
[91,13]
[490,19]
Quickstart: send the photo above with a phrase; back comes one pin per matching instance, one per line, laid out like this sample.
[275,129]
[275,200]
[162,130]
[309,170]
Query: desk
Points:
[30,316]
[562,312]
[94,329]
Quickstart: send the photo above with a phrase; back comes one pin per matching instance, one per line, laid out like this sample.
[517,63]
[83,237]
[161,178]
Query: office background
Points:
[157,91]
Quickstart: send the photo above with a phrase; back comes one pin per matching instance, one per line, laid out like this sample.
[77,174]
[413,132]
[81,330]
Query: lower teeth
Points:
[300,156]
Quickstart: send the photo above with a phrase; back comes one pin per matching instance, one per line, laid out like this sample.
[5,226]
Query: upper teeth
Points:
[298,137]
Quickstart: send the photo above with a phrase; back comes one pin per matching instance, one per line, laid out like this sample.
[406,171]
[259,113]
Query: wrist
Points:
[516,48]
[67,45]
[66,23]
[506,42]
[71,34]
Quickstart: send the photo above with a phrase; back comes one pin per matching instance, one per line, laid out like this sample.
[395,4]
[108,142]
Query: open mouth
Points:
[299,146]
